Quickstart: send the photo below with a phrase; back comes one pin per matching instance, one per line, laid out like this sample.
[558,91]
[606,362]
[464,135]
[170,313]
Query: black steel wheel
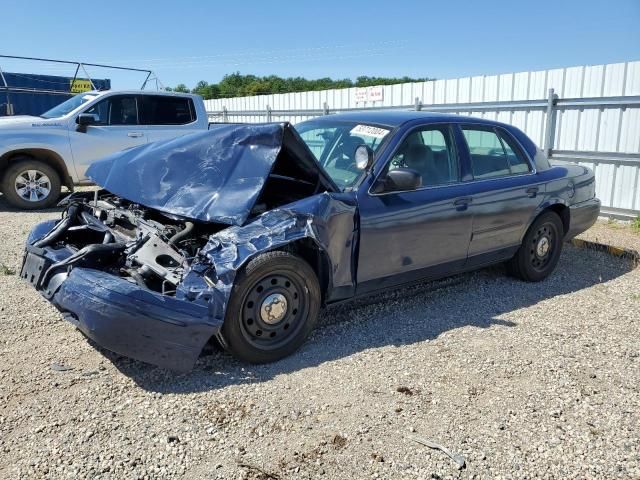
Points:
[540,251]
[541,246]
[273,306]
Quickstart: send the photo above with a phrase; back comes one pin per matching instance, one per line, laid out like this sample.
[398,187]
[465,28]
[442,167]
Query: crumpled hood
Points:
[213,176]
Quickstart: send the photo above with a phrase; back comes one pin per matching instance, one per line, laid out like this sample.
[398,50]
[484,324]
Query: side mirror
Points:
[85,119]
[363,157]
[401,179]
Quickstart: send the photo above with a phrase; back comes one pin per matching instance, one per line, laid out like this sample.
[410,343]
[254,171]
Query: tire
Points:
[540,251]
[41,192]
[259,326]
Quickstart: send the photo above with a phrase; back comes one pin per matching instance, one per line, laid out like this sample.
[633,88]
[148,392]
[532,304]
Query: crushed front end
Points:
[125,276]
[145,267]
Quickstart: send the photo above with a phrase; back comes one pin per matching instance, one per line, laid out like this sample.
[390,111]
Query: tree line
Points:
[238,85]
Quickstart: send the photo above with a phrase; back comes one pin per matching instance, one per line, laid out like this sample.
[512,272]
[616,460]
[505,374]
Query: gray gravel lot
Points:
[525,380]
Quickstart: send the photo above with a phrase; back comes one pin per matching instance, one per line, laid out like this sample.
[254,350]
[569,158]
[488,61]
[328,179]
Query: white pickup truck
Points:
[40,154]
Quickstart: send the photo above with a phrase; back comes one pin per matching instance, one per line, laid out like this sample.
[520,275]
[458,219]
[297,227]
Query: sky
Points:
[187,41]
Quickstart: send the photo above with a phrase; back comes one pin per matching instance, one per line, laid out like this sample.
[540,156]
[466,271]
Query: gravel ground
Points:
[524,380]
[612,232]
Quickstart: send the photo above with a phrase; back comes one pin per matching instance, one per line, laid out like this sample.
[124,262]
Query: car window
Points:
[430,152]
[517,161]
[68,106]
[493,155]
[317,139]
[334,146]
[101,109]
[165,110]
[119,110]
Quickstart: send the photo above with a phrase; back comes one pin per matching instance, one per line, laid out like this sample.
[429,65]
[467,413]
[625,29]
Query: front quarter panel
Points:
[48,135]
[327,219]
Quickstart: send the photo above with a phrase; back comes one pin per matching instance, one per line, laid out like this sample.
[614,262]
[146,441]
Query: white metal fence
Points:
[588,114]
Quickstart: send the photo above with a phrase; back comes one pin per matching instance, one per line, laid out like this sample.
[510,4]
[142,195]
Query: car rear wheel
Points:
[540,251]
[273,307]
[30,184]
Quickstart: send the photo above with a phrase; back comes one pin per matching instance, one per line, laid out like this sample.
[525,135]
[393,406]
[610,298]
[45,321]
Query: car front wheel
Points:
[540,251]
[30,184]
[273,307]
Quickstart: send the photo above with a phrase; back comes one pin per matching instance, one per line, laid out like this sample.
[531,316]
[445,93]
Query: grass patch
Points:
[613,223]
[635,224]
[5,270]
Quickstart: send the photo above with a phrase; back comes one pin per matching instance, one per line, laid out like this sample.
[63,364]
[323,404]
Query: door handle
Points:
[532,192]
[135,134]
[462,203]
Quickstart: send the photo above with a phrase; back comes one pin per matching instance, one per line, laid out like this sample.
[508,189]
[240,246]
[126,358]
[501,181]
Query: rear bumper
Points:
[582,216]
[121,316]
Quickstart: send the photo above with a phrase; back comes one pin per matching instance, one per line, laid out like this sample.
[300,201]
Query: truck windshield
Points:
[68,106]
[334,144]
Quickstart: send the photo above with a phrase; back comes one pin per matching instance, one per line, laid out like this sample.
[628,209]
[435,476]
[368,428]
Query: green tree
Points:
[201,88]
[239,85]
[181,88]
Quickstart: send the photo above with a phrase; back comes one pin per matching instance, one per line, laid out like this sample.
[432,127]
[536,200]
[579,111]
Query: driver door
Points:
[422,233]
[116,130]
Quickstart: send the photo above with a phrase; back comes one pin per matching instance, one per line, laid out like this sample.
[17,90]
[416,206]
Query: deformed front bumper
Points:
[121,316]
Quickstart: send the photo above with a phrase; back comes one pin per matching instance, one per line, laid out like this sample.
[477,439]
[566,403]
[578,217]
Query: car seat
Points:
[420,158]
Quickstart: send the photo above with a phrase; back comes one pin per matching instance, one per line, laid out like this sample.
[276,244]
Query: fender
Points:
[553,203]
[325,222]
[47,155]
[44,140]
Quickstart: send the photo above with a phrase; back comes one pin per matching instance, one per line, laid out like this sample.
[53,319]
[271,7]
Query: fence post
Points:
[268,113]
[325,108]
[550,126]
[225,116]
[418,104]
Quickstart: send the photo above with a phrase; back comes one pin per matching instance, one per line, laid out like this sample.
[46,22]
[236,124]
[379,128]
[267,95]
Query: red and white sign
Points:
[369,94]
[361,95]
[375,94]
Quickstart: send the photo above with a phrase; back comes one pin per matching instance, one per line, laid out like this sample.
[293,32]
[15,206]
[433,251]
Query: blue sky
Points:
[186,41]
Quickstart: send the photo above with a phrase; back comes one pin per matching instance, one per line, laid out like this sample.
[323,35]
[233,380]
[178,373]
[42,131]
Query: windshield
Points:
[68,106]
[334,145]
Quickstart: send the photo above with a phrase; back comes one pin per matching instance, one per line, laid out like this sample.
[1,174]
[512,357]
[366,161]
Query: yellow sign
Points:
[80,85]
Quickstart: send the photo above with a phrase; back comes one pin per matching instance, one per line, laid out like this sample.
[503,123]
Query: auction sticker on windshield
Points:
[370,131]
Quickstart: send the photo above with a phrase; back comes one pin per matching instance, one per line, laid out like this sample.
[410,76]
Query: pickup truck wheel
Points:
[30,184]
[273,307]
[540,251]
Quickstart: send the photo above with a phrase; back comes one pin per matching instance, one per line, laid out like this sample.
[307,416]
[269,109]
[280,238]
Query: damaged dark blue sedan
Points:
[244,232]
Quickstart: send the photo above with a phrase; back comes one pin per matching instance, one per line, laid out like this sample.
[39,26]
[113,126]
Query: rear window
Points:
[165,110]
[493,154]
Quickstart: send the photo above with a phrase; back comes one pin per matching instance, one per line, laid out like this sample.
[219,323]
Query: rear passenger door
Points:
[165,116]
[504,192]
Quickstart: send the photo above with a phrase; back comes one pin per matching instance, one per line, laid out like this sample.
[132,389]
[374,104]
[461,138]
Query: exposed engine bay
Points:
[142,245]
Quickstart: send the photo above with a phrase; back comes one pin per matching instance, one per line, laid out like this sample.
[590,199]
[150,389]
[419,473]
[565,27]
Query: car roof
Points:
[395,118]
[141,92]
